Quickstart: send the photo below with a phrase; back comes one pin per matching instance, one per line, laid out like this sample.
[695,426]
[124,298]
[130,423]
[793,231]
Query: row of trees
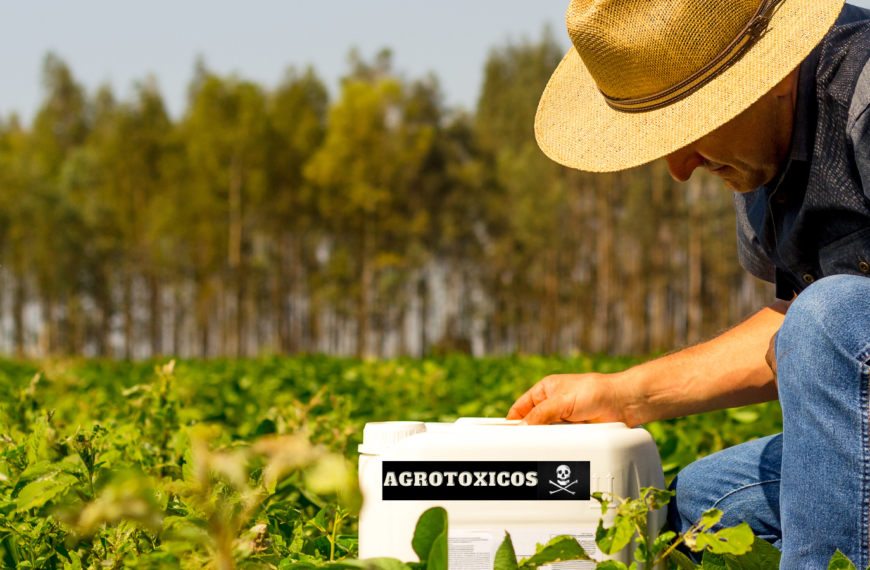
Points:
[379,223]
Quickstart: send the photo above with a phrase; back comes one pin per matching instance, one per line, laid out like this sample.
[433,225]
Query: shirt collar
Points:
[803,132]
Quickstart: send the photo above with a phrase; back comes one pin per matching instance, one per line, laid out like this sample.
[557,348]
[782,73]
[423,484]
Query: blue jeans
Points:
[806,490]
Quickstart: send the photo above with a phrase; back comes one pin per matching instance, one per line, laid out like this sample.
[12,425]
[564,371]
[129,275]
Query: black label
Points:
[486,481]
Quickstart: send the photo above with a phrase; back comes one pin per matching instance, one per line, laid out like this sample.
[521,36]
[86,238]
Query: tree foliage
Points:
[378,223]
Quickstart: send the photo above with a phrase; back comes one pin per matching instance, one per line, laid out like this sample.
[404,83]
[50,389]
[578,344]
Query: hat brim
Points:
[575,127]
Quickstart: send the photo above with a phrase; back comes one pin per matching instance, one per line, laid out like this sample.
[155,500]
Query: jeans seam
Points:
[865,480]
[742,489]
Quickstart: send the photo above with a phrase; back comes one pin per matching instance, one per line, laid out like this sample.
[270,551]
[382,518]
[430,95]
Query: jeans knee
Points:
[674,518]
[691,498]
[687,504]
[821,312]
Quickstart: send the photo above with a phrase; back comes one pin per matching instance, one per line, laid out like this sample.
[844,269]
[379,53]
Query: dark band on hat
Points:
[751,33]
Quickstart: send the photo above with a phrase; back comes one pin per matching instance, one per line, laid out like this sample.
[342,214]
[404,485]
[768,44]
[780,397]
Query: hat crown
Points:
[636,48]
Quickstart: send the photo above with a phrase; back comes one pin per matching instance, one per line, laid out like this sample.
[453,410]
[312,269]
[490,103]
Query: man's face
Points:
[747,151]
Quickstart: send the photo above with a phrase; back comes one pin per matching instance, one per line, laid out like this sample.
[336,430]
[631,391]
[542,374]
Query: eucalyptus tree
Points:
[297,115]
[15,210]
[124,154]
[364,173]
[534,222]
[53,230]
[224,132]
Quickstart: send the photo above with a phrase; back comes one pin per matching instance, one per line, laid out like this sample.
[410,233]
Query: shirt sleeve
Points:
[858,127]
[750,252]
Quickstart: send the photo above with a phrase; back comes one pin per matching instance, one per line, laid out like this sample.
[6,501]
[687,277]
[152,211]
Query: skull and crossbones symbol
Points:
[563,472]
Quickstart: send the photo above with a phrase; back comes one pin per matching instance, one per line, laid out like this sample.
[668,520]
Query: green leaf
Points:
[38,493]
[36,469]
[641,551]
[713,561]
[438,558]
[735,540]
[611,565]
[604,503]
[559,549]
[663,540]
[763,556]
[291,564]
[743,416]
[656,498]
[710,518]
[505,556]
[431,525]
[44,470]
[75,562]
[368,564]
[615,538]
[682,561]
[319,520]
[323,545]
[840,562]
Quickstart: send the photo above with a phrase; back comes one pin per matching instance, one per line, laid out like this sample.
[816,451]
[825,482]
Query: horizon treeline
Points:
[376,223]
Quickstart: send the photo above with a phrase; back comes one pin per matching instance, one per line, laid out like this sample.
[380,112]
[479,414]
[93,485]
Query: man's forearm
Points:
[727,371]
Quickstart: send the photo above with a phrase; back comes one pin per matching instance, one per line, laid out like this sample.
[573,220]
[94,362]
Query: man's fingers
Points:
[521,407]
[770,357]
[513,414]
[534,396]
[547,412]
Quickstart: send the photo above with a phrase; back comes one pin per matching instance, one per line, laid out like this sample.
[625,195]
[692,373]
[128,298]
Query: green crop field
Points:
[242,463]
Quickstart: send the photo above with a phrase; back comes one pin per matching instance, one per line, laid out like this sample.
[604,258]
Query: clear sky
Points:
[121,41]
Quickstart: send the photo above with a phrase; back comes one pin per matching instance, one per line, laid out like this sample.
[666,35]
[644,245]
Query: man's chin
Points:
[739,186]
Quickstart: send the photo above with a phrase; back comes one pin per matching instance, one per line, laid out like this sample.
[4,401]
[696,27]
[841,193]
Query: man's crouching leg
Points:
[742,482]
[822,351]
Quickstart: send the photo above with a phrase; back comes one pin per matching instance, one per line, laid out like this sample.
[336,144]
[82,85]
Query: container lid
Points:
[486,422]
[380,436]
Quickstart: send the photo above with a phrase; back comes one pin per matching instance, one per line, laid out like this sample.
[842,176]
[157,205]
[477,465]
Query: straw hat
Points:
[648,77]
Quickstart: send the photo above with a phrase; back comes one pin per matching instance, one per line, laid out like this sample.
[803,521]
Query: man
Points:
[773,97]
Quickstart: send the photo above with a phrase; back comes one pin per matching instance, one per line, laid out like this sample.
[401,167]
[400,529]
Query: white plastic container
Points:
[494,476]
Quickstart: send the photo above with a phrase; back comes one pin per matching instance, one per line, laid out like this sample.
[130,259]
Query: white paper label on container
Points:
[470,551]
[475,549]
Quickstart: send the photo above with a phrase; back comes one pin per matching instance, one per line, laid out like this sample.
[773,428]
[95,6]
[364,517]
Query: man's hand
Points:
[725,372]
[770,357]
[591,398]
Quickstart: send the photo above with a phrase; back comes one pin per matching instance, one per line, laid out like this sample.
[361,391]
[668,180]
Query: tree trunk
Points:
[179,314]
[605,273]
[281,284]
[235,256]
[658,262]
[362,312]
[155,304]
[75,327]
[18,314]
[299,333]
[203,302]
[694,311]
[48,338]
[128,314]
[239,325]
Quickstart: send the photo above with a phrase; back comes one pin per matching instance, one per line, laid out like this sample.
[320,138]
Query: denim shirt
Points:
[813,218]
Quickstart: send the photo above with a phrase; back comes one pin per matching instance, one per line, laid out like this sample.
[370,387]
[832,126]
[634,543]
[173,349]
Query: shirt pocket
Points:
[847,256]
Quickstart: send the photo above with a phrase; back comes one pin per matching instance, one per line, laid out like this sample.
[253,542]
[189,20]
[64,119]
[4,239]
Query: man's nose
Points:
[683,162]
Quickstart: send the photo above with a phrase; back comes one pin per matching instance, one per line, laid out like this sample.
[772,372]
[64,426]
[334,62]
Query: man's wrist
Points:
[630,394]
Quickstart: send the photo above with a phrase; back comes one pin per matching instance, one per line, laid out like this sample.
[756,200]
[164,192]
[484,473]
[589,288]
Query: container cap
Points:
[380,436]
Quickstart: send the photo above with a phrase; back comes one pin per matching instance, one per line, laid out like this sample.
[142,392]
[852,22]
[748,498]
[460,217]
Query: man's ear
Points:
[788,85]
